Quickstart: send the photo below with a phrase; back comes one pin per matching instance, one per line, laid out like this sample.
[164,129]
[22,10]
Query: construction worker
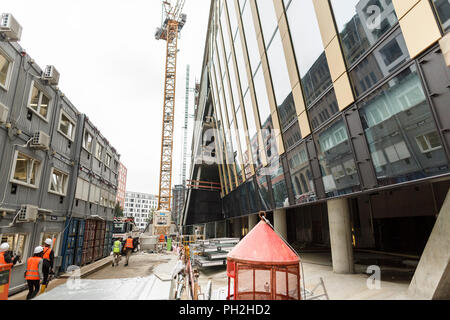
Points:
[129,249]
[117,249]
[6,256]
[34,273]
[47,266]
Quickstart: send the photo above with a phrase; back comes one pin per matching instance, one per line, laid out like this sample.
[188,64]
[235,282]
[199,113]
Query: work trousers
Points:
[129,251]
[46,272]
[33,288]
[116,258]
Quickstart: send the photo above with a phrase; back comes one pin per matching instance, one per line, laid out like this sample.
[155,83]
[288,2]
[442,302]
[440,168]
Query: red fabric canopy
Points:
[263,246]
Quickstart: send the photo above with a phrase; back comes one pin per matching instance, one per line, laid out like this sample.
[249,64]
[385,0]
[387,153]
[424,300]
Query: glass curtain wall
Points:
[402,136]
[312,63]
[443,11]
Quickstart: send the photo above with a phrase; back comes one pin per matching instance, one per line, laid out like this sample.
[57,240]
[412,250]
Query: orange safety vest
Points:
[129,243]
[2,258]
[32,272]
[47,252]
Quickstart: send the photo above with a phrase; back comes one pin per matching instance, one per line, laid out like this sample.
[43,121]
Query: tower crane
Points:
[173,20]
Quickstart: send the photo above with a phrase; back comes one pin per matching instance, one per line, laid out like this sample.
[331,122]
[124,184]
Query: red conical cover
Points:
[263,246]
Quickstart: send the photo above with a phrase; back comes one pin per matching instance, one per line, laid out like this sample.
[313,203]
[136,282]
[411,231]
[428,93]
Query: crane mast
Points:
[172,23]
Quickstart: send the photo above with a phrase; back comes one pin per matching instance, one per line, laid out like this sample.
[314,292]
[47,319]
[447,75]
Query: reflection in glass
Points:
[292,136]
[443,11]
[361,23]
[268,19]
[280,195]
[263,191]
[323,110]
[401,133]
[279,72]
[250,37]
[311,59]
[381,63]
[233,18]
[301,175]
[262,98]
[337,164]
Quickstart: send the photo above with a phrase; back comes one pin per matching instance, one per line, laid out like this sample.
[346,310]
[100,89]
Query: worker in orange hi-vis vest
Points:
[47,266]
[129,249]
[33,274]
[6,256]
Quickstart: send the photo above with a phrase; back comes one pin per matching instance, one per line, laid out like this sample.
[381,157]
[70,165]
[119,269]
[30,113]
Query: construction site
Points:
[317,167]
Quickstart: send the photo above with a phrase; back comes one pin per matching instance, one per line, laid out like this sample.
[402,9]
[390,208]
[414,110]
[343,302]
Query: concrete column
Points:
[340,236]
[432,277]
[279,221]
[253,220]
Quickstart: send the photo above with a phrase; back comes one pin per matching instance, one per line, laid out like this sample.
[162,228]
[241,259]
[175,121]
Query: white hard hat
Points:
[38,249]
[49,242]
[4,247]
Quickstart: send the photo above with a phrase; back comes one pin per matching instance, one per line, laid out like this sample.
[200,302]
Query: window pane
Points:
[4,68]
[66,126]
[34,103]
[443,10]
[335,154]
[279,72]
[268,19]
[261,96]
[380,64]
[44,106]
[34,172]
[361,24]
[21,171]
[279,188]
[250,37]
[401,132]
[311,59]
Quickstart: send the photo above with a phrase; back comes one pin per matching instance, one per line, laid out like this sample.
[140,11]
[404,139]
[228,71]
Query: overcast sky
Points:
[112,69]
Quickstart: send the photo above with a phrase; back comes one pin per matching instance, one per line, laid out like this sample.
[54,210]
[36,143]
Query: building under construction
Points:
[345,142]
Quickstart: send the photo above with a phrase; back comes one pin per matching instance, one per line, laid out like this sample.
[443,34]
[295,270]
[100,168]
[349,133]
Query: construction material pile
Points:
[212,252]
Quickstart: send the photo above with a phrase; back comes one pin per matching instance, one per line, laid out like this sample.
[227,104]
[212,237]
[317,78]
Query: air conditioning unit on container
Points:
[51,75]
[10,27]
[28,213]
[3,113]
[40,140]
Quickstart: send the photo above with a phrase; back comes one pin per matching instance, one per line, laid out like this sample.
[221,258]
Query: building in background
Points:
[140,206]
[58,173]
[122,186]
[344,138]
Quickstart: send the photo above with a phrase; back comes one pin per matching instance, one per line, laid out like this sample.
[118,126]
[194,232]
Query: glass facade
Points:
[400,131]
[337,162]
[392,113]
[443,11]
[361,24]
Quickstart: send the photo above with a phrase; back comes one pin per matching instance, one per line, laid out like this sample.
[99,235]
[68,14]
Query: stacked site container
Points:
[99,239]
[89,241]
[73,245]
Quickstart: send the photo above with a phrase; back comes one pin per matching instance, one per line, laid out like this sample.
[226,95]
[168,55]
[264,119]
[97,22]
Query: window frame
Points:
[86,130]
[58,239]
[66,183]
[26,184]
[110,159]
[427,140]
[96,151]
[26,246]
[74,123]
[42,92]
[9,72]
